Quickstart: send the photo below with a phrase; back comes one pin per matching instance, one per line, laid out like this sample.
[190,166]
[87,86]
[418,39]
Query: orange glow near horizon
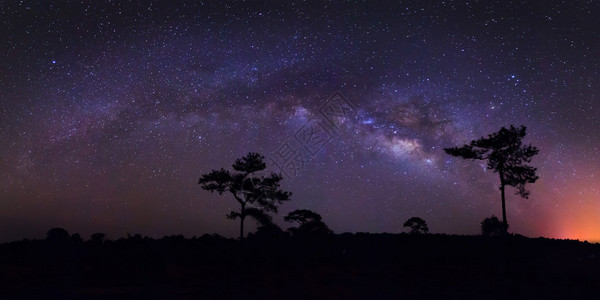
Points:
[581,223]
[568,209]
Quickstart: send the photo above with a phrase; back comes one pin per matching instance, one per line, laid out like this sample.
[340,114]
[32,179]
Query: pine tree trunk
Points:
[502,185]
[242,217]
[503,207]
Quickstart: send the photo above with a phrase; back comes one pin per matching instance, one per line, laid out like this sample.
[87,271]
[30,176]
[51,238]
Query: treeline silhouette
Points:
[348,266]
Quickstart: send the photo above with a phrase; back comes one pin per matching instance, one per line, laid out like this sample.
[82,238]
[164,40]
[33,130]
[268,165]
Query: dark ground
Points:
[348,266]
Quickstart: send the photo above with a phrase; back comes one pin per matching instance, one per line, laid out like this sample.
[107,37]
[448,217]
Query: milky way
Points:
[109,112]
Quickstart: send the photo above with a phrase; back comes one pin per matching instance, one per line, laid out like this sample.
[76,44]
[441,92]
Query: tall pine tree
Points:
[507,156]
[256,195]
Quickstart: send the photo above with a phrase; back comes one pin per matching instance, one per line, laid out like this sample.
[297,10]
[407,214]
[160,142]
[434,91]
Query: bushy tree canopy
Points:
[417,225]
[493,227]
[255,194]
[310,223]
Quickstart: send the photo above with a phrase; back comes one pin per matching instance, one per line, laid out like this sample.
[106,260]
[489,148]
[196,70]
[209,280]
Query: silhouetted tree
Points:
[57,235]
[264,221]
[98,237]
[416,225]
[493,227]
[507,156]
[266,228]
[134,237]
[302,216]
[269,231]
[76,237]
[249,190]
[310,223]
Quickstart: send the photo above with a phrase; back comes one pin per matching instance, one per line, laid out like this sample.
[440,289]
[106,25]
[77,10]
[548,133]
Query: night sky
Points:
[110,111]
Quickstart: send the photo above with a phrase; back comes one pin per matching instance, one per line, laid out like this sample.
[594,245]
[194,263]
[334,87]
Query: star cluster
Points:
[110,111]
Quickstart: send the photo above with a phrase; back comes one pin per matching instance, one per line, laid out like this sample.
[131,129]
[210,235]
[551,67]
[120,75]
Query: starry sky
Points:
[111,110]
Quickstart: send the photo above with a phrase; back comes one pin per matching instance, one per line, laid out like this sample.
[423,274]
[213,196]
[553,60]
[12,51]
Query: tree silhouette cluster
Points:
[60,235]
[259,195]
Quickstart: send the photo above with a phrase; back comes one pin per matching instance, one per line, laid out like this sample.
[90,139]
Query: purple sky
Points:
[110,111]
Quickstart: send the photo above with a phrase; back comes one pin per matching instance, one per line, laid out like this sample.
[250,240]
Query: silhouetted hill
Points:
[346,266]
